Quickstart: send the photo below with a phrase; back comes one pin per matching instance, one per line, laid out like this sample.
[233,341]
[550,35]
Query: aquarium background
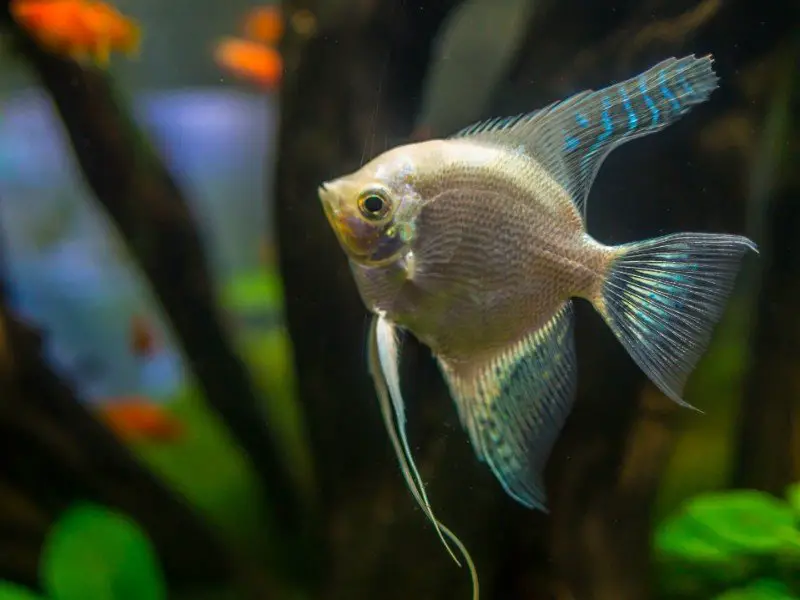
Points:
[185,407]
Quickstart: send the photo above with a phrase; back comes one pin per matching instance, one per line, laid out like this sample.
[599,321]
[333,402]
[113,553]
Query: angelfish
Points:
[477,244]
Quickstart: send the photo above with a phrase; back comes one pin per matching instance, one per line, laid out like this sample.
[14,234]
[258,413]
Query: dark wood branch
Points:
[604,483]
[770,416]
[769,420]
[150,212]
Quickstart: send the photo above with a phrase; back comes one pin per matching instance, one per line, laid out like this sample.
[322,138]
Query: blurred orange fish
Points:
[79,29]
[136,418]
[264,24]
[251,61]
[143,341]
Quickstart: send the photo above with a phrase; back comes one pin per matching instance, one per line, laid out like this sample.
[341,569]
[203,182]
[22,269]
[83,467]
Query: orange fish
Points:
[264,24]
[136,418]
[79,29]
[143,341]
[251,61]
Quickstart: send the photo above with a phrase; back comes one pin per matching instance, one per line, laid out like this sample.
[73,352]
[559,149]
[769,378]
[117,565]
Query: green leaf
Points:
[749,520]
[763,589]
[254,290]
[727,539]
[10,591]
[93,553]
[793,498]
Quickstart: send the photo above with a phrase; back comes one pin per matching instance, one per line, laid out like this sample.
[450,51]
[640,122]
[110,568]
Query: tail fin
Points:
[663,297]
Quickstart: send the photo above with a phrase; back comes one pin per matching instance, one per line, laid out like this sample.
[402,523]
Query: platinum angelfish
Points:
[477,244]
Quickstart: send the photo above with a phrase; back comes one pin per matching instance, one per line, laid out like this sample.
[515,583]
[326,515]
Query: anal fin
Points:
[515,404]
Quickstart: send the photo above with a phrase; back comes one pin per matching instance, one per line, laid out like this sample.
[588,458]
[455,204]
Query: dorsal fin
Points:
[570,139]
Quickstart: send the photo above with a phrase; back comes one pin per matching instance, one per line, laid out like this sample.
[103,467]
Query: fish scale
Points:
[480,278]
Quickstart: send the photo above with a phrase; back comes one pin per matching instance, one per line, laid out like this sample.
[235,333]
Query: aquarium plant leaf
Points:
[94,553]
[749,520]
[793,498]
[726,539]
[762,589]
[11,591]
[742,520]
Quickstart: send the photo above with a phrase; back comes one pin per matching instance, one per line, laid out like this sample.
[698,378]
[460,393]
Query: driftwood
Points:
[769,442]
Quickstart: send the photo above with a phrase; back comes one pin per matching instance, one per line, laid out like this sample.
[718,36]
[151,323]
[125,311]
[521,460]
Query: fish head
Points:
[372,210]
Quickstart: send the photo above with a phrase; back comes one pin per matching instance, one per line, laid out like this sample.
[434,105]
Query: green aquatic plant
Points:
[258,288]
[94,553]
[762,589]
[729,541]
[231,501]
[10,591]
[793,498]
[255,300]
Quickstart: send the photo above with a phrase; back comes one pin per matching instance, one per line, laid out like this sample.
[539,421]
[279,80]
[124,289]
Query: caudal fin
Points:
[663,297]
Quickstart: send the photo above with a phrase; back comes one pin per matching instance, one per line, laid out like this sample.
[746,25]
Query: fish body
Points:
[251,61]
[477,245]
[137,418]
[264,24]
[80,29]
[494,216]
[255,57]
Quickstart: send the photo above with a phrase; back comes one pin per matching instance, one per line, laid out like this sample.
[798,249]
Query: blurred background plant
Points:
[733,544]
[185,410]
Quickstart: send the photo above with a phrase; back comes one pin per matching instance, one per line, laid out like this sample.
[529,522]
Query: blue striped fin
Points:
[571,138]
[515,404]
[663,297]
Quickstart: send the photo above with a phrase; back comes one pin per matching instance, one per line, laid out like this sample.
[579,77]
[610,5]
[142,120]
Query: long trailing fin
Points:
[515,404]
[383,357]
[571,138]
[663,297]
[386,340]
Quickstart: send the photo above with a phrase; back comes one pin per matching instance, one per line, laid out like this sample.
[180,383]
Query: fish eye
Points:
[373,205]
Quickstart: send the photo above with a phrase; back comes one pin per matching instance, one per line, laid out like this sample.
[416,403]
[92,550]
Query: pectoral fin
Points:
[384,361]
[515,404]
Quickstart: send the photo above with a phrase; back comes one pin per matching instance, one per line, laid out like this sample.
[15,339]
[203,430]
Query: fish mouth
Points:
[354,236]
[330,204]
[336,215]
